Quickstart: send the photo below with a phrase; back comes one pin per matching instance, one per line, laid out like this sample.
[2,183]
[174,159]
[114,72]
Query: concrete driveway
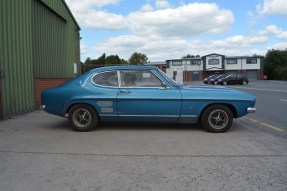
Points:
[38,151]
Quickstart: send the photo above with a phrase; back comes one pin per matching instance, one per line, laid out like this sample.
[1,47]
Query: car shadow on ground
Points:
[108,126]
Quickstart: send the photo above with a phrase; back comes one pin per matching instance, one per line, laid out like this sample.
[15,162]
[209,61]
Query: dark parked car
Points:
[206,80]
[233,79]
[216,78]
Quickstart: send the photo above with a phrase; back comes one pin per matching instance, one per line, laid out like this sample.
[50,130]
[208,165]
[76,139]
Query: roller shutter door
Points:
[252,74]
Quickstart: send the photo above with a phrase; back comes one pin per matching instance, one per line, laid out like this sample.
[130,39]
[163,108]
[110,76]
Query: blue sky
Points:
[169,29]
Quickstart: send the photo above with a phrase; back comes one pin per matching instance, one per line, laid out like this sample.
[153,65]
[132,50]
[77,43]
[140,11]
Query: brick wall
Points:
[41,84]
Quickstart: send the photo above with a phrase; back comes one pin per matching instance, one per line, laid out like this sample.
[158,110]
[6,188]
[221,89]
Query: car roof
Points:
[129,67]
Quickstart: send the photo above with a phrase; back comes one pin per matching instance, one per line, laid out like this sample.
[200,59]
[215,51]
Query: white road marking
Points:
[285,91]
[283,99]
[265,124]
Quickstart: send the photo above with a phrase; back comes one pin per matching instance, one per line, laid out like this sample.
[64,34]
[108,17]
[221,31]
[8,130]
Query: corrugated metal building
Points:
[39,45]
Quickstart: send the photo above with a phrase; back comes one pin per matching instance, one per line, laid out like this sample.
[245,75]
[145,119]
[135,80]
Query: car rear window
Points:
[109,79]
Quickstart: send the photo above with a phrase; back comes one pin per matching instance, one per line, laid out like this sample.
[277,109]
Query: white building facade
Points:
[192,69]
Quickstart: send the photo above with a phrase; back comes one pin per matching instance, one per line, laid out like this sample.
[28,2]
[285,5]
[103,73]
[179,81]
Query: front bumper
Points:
[251,110]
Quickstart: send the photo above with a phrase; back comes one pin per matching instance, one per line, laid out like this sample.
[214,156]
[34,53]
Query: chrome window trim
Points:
[188,116]
[130,87]
[159,77]
[115,87]
[174,116]
[119,80]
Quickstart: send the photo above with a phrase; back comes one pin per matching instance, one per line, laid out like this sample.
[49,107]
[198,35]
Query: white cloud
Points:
[274,30]
[272,7]
[89,13]
[279,46]
[186,20]
[160,48]
[103,20]
[162,4]
[161,31]
[146,8]
[84,5]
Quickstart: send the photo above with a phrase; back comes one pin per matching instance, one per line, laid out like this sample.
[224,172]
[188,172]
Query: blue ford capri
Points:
[143,94]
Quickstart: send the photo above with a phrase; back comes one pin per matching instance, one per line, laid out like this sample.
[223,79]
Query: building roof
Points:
[156,63]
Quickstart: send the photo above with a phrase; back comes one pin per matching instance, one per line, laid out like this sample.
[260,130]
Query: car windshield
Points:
[228,76]
[167,78]
[219,76]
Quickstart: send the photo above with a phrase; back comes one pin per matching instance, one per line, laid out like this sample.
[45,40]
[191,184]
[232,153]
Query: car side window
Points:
[232,76]
[109,79]
[139,78]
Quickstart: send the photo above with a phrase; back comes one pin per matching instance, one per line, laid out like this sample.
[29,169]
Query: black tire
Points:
[217,118]
[83,118]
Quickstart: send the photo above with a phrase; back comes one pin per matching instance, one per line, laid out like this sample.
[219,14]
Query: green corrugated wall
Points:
[16,57]
[38,39]
[55,40]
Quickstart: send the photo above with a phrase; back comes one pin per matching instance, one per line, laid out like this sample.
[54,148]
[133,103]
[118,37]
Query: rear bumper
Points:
[251,110]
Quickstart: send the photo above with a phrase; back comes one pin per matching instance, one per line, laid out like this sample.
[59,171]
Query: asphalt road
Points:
[271,104]
[39,151]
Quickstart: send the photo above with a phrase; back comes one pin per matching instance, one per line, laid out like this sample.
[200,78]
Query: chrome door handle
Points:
[125,91]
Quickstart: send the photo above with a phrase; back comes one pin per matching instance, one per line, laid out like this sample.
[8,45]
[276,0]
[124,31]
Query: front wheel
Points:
[217,118]
[83,118]
[244,83]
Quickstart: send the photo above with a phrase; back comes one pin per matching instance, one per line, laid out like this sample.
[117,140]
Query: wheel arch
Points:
[230,106]
[68,108]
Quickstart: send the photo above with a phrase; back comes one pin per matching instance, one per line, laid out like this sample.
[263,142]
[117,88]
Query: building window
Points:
[195,62]
[231,61]
[213,62]
[251,61]
[176,63]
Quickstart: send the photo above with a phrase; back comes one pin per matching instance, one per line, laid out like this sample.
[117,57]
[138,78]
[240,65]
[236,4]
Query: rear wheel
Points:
[244,82]
[83,118]
[224,83]
[217,118]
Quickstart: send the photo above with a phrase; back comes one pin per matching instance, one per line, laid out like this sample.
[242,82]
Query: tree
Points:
[275,64]
[138,59]
[191,56]
[113,60]
[123,62]
[103,60]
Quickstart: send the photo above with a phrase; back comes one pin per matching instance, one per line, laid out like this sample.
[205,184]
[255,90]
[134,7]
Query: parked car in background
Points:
[216,78]
[206,80]
[233,79]
[143,94]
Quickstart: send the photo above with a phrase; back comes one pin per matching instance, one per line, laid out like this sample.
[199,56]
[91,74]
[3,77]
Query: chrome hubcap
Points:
[82,118]
[218,119]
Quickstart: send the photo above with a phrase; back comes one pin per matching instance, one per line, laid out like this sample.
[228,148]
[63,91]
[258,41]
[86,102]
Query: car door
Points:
[106,91]
[143,96]
[232,79]
[239,79]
